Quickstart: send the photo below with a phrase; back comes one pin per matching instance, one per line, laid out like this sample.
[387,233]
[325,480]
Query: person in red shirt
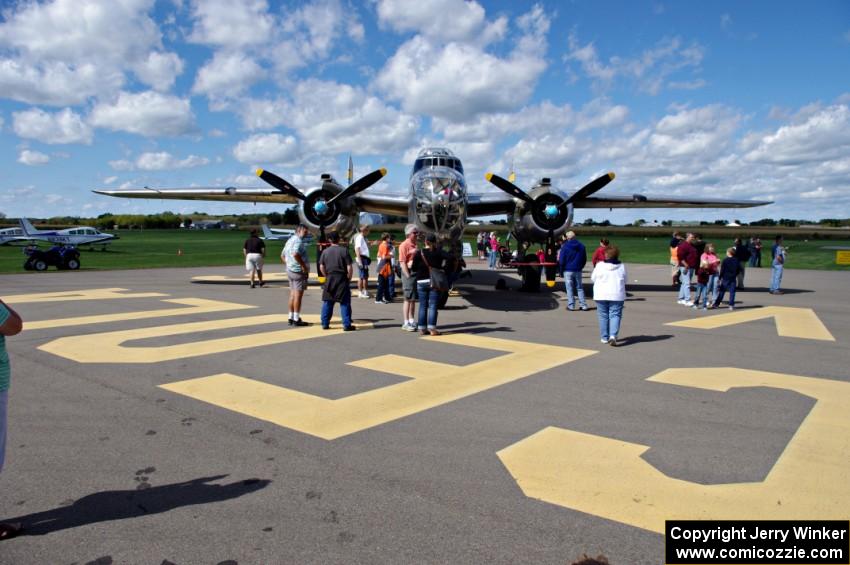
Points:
[688,261]
[599,254]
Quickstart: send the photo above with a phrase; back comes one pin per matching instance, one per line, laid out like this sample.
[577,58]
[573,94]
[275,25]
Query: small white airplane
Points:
[9,235]
[279,234]
[78,235]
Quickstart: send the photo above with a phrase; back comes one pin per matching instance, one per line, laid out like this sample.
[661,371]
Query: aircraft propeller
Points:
[360,185]
[590,188]
[281,184]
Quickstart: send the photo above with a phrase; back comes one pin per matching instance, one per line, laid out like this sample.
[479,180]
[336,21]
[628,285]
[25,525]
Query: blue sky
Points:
[714,99]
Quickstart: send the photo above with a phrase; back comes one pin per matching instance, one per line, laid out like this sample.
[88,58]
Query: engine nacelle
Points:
[534,222]
[340,216]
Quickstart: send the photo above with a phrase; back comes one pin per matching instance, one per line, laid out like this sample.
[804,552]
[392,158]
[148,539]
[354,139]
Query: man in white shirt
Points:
[297,271]
[361,257]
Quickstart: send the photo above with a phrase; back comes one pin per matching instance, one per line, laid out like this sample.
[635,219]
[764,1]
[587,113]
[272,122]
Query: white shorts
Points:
[4,401]
[254,261]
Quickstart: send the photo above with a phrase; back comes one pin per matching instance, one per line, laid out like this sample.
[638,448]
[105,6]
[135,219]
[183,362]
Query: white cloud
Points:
[600,113]
[547,154]
[159,70]
[227,75]
[56,83]
[651,69]
[33,158]
[270,148]
[109,180]
[820,193]
[65,51]
[331,117]
[541,118]
[700,132]
[817,135]
[262,114]
[64,126]
[442,20]
[147,113]
[456,81]
[158,161]
[311,32]
[231,24]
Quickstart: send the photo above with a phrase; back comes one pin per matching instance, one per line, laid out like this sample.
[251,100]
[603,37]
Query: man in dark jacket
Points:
[336,266]
[688,261]
[571,260]
[729,270]
[742,254]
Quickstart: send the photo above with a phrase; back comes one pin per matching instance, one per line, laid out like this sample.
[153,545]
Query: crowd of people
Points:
[691,257]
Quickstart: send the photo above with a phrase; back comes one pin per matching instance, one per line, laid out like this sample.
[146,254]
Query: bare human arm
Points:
[13,324]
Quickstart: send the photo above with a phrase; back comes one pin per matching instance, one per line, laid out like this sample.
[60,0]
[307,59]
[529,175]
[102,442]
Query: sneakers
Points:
[689,303]
[411,328]
[777,292]
[694,306]
[731,307]
[385,301]
[299,323]
[570,308]
[612,341]
[603,341]
[349,328]
[252,284]
[363,294]
[380,302]
[680,301]
[584,308]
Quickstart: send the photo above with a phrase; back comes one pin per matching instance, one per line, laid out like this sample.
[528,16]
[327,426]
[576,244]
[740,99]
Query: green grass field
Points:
[189,248]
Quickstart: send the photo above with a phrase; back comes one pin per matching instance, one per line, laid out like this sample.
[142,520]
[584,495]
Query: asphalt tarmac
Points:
[318,448]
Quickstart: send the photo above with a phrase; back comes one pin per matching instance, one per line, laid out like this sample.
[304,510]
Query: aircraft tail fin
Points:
[267,232]
[27,227]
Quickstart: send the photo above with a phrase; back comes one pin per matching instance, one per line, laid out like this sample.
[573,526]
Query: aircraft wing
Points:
[483,204]
[392,204]
[641,201]
[221,194]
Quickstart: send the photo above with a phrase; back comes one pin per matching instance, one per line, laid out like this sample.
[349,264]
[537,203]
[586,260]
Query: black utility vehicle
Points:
[59,256]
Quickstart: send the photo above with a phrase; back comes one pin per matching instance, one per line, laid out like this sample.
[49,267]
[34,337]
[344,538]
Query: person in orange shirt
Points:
[408,279]
[385,268]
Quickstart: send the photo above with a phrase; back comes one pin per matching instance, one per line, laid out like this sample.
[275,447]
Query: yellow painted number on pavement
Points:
[194,306]
[76,295]
[607,477]
[801,323]
[431,384]
[108,347]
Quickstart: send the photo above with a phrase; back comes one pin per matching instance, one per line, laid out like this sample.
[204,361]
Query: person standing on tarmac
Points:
[254,251]
[297,271]
[572,260]
[336,266]
[408,279]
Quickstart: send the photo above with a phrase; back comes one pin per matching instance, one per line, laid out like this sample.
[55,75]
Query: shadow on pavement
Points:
[633,339]
[122,504]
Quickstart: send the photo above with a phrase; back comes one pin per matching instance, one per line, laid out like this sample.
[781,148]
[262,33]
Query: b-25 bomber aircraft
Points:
[437,201]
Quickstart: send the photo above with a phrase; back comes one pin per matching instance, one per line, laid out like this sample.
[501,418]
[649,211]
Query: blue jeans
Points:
[731,286]
[701,295]
[494,255]
[776,280]
[610,313]
[685,275]
[572,280]
[391,284]
[344,309]
[428,298]
[383,289]
[712,287]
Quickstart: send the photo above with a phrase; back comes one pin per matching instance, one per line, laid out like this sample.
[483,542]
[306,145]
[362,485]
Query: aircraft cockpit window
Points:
[442,162]
[89,232]
[417,165]
[74,232]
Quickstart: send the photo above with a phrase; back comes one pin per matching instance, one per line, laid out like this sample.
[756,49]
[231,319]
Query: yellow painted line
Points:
[432,384]
[801,323]
[75,295]
[109,347]
[608,478]
[267,276]
[195,306]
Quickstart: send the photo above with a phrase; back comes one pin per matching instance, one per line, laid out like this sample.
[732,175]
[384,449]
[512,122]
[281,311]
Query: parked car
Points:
[59,256]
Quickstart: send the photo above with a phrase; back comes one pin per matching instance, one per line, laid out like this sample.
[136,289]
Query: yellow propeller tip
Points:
[550,284]
[611,175]
[488,176]
[383,171]
[259,172]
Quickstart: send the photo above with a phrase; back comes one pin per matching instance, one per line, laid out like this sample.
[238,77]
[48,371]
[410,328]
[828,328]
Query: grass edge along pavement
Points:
[146,249]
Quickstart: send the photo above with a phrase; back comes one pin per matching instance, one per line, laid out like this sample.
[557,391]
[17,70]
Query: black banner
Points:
[757,542]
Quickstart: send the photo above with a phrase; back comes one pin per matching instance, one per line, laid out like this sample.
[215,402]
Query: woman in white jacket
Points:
[609,293]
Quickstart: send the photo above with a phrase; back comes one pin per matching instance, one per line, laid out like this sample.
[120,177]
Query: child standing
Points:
[729,269]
